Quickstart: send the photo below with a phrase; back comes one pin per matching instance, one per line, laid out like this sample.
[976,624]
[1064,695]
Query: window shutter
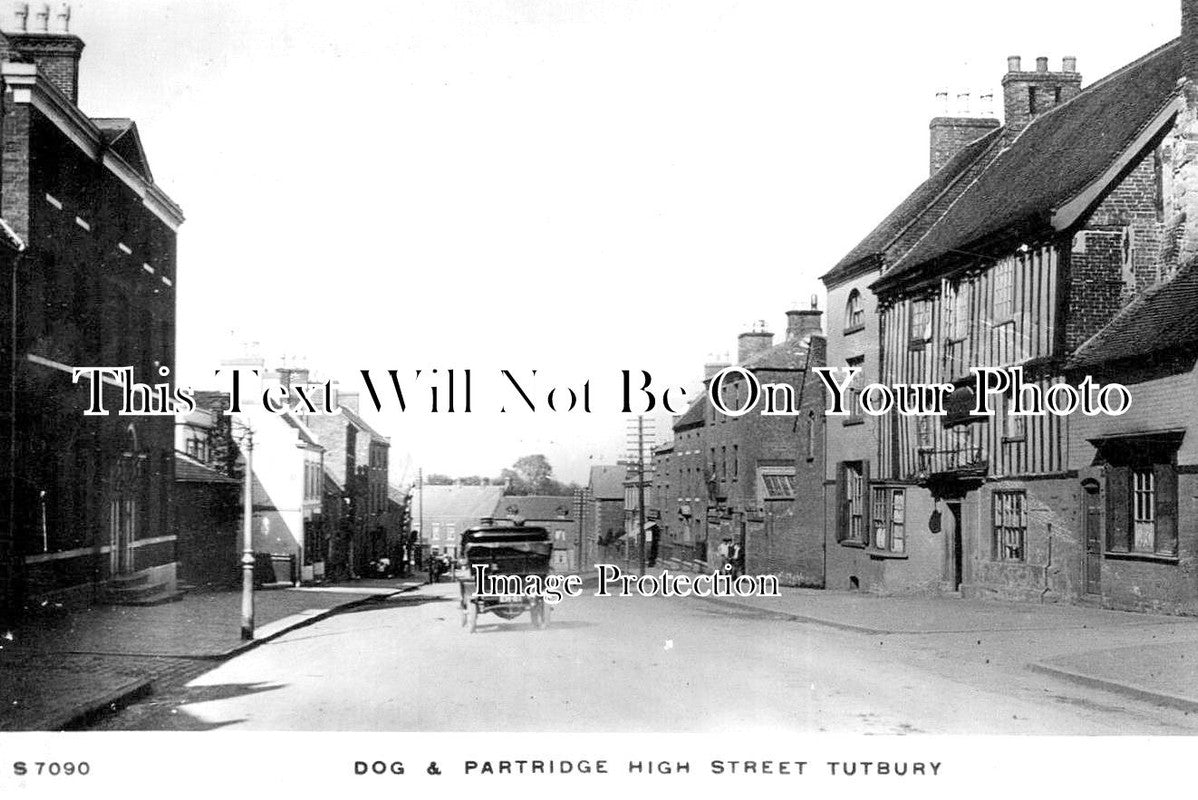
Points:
[1118,493]
[1165,476]
[842,502]
[867,497]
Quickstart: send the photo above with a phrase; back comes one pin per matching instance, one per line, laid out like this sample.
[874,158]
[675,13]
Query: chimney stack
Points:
[1026,95]
[47,40]
[803,323]
[714,364]
[752,342]
[949,133]
[1189,45]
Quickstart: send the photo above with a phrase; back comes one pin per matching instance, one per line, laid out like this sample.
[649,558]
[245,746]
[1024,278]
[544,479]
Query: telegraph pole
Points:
[640,487]
[247,554]
[636,459]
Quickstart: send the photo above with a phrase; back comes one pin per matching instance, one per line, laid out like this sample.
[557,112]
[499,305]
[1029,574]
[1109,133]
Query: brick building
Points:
[688,481]
[1064,253]
[761,468]
[356,462]
[605,497]
[87,499]
[442,514]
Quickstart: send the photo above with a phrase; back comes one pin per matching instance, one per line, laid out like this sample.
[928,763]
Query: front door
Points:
[122,521]
[1093,566]
[956,564]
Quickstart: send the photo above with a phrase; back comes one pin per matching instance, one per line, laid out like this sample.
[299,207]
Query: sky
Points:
[576,188]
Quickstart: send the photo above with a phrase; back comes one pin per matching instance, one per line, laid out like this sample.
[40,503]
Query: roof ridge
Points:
[1105,79]
[998,139]
[957,199]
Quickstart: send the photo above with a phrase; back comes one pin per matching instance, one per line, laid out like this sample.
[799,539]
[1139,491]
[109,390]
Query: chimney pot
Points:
[1069,64]
[43,18]
[1042,64]
[942,103]
[963,104]
[63,19]
[1014,64]
[21,15]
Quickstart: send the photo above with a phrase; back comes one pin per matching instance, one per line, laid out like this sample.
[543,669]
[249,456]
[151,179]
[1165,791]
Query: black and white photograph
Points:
[597,396]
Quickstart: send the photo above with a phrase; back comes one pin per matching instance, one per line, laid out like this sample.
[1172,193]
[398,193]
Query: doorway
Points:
[956,561]
[1093,515]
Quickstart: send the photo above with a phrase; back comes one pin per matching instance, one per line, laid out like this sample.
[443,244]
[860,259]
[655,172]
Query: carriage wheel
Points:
[472,616]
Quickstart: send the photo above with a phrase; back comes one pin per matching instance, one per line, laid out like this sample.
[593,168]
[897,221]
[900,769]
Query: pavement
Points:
[1149,657]
[59,669]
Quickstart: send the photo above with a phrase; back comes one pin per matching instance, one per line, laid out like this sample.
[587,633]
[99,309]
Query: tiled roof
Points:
[1052,160]
[188,470]
[789,354]
[301,429]
[535,508]
[357,420]
[210,399]
[457,502]
[693,417]
[607,482]
[915,214]
[1163,319]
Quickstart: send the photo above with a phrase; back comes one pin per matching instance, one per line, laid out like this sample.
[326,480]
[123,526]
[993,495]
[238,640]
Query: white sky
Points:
[573,187]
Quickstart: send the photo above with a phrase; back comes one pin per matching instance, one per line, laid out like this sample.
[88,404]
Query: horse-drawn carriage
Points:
[511,551]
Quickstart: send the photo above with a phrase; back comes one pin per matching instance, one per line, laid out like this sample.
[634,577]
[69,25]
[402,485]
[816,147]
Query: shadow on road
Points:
[392,603]
[525,627]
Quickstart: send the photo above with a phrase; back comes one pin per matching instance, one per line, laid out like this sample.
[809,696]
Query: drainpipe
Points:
[1047,566]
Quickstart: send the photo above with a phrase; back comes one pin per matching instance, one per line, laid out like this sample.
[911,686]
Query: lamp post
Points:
[247,554]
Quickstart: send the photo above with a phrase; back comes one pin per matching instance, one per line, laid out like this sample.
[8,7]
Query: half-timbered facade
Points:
[1084,211]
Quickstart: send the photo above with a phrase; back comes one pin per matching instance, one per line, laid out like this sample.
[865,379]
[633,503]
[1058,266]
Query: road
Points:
[626,664]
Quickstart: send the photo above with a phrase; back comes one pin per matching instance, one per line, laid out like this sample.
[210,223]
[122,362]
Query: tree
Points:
[535,471]
[437,479]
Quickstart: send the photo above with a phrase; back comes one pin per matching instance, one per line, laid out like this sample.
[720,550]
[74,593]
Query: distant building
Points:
[442,513]
[605,497]
[558,515]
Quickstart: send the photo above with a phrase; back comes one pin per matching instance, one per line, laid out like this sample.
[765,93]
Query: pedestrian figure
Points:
[725,554]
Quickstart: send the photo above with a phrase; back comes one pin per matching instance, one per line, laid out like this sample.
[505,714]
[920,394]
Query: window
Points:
[1142,509]
[889,519]
[923,432]
[854,313]
[920,330]
[1143,504]
[723,462]
[778,486]
[1014,425]
[735,462]
[1004,291]
[853,393]
[956,311]
[851,482]
[1010,526]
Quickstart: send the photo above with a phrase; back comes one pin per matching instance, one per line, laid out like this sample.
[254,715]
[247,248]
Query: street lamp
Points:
[247,552]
